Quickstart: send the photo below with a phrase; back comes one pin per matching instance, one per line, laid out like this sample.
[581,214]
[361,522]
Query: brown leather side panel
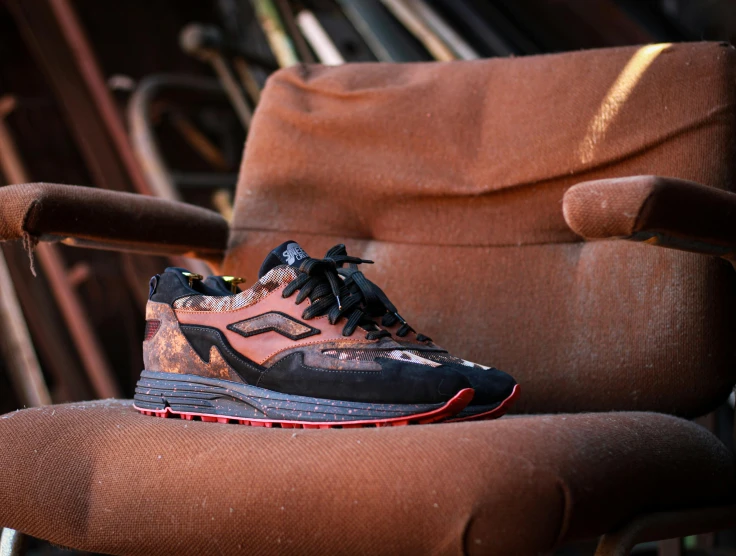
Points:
[263,346]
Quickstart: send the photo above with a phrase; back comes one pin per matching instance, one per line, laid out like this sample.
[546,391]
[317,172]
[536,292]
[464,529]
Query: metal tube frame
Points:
[85,340]
[666,525]
[12,543]
[142,137]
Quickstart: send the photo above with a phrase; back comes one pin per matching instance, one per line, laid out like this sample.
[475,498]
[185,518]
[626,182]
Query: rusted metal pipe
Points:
[142,137]
[90,70]
[280,42]
[57,355]
[417,27]
[9,164]
[16,344]
[85,341]
[17,347]
[318,38]
[250,85]
[292,28]
[205,43]
[234,92]
[163,181]
[665,525]
[90,351]
[12,543]
[199,142]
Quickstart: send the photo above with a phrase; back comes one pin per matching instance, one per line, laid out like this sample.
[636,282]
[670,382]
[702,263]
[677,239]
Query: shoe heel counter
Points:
[167,350]
[155,336]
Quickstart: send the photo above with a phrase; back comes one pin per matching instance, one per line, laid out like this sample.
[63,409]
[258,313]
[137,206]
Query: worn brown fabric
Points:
[683,214]
[98,476]
[110,219]
[479,152]
[451,177]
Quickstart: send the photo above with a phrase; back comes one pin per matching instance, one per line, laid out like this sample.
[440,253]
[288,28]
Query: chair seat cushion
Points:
[98,476]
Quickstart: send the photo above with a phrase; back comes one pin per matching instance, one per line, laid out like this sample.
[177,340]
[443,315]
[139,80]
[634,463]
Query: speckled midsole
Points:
[181,393]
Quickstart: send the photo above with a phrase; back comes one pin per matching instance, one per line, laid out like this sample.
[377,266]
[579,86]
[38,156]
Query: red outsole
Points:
[452,407]
[494,413]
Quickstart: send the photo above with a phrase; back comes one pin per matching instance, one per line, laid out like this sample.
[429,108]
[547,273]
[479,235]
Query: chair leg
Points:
[619,543]
[665,525]
[12,543]
[670,547]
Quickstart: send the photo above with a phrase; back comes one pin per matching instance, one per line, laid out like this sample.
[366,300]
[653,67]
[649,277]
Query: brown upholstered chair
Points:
[476,187]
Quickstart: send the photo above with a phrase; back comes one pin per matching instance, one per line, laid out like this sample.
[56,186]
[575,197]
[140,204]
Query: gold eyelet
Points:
[191,277]
[233,281]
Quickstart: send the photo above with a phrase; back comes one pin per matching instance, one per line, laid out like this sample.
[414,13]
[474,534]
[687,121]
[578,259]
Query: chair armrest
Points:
[90,217]
[663,211]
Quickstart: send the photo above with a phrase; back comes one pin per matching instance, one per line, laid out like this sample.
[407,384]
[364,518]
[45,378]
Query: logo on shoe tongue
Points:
[294,253]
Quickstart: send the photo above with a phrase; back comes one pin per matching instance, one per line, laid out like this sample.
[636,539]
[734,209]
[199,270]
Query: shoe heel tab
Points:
[172,284]
[152,284]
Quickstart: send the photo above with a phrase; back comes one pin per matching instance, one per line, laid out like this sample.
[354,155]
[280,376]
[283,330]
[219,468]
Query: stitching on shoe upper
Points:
[323,340]
[303,366]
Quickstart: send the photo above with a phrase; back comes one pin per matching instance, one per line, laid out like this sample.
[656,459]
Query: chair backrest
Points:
[451,175]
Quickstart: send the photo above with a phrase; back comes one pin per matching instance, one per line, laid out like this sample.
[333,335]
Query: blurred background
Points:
[156,98]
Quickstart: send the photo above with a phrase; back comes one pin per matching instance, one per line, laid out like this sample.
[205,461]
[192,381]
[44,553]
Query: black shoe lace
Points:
[377,303]
[319,281]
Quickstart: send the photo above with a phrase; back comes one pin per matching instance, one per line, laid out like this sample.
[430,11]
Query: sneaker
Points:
[293,350]
[495,391]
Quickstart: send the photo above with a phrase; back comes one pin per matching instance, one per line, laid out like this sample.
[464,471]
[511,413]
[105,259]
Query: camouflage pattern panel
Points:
[274,279]
[343,356]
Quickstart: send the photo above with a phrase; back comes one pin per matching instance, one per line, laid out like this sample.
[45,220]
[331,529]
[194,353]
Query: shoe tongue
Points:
[289,253]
